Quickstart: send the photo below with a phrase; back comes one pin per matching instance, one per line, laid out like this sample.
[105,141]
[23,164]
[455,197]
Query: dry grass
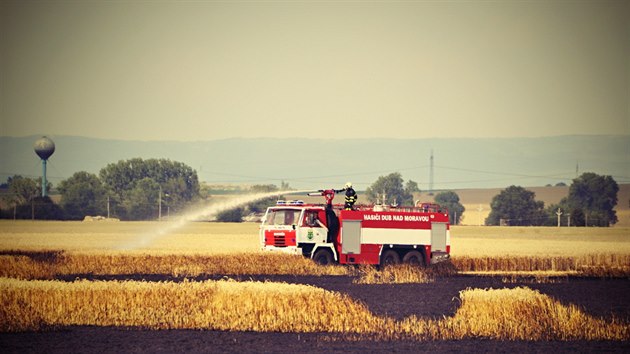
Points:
[600,265]
[507,314]
[44,250]
[525,314]
[393,274]
[537,278]
[49,264]
[247,306]
[34,265]
[402,273]
[220,238]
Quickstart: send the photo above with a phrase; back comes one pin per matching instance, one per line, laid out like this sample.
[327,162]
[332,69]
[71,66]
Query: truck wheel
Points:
[323,257]
[414,258]
[390,257]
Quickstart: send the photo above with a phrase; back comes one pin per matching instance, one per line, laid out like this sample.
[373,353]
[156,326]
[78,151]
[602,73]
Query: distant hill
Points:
[321,163]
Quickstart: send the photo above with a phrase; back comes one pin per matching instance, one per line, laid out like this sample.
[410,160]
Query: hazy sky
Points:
[211,70]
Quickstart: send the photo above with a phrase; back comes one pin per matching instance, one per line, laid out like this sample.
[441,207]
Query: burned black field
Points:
[602,298]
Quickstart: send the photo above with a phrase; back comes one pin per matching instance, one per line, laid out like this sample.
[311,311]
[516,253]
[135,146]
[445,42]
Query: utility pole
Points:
[160,205]
[108,207]
[585,219]
[559,212]
[568,220]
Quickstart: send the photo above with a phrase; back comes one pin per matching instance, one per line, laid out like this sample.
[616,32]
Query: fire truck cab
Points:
[364,235]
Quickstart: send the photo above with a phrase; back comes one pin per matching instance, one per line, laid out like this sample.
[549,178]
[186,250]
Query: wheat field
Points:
[31,252]
[226,238]
[506,314]
[129,237]
[219,248]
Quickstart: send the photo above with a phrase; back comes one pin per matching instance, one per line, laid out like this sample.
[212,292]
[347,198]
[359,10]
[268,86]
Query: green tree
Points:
[411,187]
[595,196]
[22,189]
[516,206]
[23,195]
[141,202]
[179,184]
[450,200]
[20,192]
[390,187]
[83,194]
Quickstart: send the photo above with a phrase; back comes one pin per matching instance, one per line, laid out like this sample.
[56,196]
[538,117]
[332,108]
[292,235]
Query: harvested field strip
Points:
[586,265]
[519,314]
[31,267]
[398,274]
[508,314]
[401,274]
[219,305]
[49,264]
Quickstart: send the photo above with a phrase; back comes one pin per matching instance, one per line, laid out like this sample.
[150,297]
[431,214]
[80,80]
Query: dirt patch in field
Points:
[605,298]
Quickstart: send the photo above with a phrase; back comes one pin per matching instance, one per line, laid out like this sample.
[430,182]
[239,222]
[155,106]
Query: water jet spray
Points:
[197,214]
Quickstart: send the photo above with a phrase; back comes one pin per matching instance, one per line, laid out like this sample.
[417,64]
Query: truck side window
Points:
[310,219]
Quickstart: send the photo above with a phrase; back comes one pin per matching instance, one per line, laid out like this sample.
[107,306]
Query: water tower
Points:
[44,148]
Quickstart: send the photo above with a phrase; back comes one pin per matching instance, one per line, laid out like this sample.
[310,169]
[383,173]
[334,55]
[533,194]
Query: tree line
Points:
[134,189]
[129,190]
[590,202]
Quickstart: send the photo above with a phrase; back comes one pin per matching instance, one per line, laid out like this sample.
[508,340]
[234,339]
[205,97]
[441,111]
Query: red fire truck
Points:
[377,234]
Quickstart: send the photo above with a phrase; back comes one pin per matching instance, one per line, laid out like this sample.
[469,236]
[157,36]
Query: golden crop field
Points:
[225,238]
[478,241]
[42,265]
[507,314]
[33,251]
[216,248]
[129,237]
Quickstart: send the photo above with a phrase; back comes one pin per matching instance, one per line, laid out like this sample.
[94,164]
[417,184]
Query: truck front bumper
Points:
[288,250]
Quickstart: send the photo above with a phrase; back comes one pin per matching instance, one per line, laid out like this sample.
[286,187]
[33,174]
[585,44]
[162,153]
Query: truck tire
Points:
[390,257]
[323,256]
[414,258]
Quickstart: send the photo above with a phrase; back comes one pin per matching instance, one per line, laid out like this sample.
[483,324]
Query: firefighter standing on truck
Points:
[351,196]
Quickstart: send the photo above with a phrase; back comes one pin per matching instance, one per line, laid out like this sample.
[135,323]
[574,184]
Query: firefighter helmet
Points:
[348,185]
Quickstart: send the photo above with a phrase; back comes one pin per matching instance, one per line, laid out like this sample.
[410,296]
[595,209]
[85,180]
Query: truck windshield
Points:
[283,216]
